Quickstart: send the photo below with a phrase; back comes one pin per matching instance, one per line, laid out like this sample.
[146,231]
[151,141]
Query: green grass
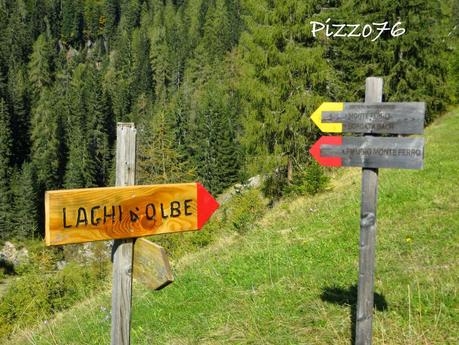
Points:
[291,279]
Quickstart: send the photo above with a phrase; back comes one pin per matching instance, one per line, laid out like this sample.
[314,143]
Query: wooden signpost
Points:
[92,214]
[370,153]
[381,118]
[124,213]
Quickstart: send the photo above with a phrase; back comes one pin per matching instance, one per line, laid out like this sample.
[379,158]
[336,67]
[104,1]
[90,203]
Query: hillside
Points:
[292,279]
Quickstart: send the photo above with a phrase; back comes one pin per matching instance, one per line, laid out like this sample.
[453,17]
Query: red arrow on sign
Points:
[207,205]
[326,161]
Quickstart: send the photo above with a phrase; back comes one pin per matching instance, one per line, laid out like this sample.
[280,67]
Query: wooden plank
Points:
[376,118]
[377,152]
[92,214]
[151,265]
[122,251]
[365,295]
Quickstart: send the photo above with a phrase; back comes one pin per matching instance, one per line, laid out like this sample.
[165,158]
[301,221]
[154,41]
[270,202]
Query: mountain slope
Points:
[292,279]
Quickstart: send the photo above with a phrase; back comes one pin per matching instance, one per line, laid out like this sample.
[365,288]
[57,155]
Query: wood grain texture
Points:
[379,118]
[122,250]
[151,265]
[365,295]
[93,214]
[378,152]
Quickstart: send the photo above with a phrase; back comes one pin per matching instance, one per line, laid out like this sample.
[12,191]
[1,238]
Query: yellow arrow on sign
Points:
[316,117]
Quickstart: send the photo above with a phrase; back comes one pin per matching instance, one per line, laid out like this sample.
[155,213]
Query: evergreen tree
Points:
[45,136]
[92,20]
[193,18]
[99,126]
[158,159]
[5,156]
[26,216]
[39,66]
[17,38]
[283,77]
[36,14]
[112,17]
[118,79]
[81,166]
[72,22]
[20,110]
[217,36]
[141,68]
[216,151]
[159,57]
[413,65]
[130,14]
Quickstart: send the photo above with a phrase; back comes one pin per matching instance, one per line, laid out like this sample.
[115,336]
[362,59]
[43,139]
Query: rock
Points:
[61,264]
[238,188]
[254,182]
[87,253]
[11,254]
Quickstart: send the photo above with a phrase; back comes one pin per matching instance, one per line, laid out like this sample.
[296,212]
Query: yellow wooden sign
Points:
[92,214]
[151,266]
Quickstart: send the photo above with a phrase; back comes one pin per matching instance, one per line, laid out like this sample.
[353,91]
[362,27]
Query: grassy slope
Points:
[292,279]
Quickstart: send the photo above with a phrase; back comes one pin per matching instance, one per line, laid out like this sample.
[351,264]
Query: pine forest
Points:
[220,91]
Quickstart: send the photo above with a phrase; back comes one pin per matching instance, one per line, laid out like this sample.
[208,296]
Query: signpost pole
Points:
[123,249]
[364,316]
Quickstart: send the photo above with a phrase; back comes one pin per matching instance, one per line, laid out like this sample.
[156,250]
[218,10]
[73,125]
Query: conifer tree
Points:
[193,18]
[36,14]
[99,126]
[26,216]
[112,17]
[72,22]
[81,166]
[159,160]
[130,14]
[39,66]
[17,38]
[141,68]
[159,57]
[216,153]
[45,137]
[414,65]
[118,79]
[5,156]
[91,18]
[20,109]
[283,77]
[217,36]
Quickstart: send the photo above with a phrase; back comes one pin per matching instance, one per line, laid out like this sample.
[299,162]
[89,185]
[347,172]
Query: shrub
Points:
[310,180]
[245,209]
[40,291]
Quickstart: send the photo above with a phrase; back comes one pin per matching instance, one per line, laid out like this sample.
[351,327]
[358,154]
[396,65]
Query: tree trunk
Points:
[290,170]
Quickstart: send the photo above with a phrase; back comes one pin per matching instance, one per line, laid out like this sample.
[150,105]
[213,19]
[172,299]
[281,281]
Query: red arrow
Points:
[326,161]
[206,205]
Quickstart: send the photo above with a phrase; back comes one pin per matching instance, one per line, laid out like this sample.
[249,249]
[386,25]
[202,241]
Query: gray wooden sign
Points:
[377,152]
[382,118]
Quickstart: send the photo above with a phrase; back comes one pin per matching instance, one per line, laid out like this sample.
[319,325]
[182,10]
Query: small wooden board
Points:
[92,214]
[151,265]
[369,152]
[377,118]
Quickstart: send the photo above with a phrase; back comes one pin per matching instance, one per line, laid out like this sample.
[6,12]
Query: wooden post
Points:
[123,249]
[364,315]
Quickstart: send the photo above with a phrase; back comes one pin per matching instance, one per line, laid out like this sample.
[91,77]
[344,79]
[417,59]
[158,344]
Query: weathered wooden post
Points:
[364,315]
[371,152]
[123,248]
[123,213]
